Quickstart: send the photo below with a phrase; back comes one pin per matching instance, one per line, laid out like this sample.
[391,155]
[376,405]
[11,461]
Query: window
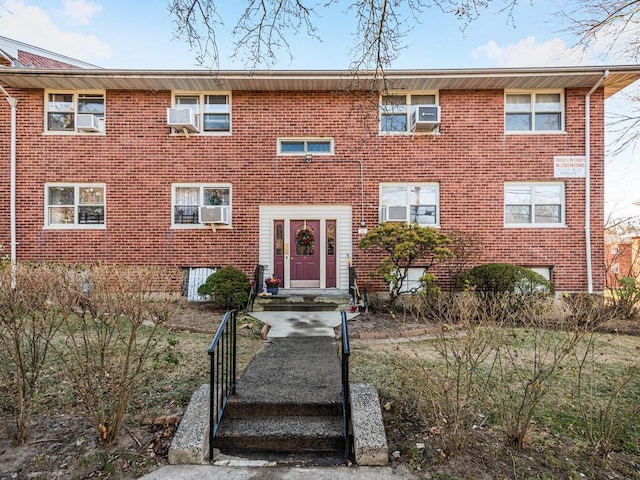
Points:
[189,201]
[212,111]
[396,110]
[534,204]
[75,205]
[415,203]
[534,112]
[74,112]
[303,146]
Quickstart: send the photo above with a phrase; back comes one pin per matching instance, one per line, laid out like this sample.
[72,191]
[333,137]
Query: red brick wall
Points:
[138,160]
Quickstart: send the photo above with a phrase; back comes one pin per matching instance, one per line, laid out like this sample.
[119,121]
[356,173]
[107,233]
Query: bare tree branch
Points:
[196,22]
[611,25]
[267,27]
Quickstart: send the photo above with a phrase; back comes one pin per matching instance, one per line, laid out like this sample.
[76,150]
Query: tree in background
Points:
[266,27]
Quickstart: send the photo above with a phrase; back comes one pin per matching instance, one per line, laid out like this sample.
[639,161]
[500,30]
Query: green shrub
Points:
[504,278]
[228,286]
[628,296]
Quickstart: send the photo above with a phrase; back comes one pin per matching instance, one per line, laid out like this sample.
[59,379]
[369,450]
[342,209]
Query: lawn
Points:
[415,380]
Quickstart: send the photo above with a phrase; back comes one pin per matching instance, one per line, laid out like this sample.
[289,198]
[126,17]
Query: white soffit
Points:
[334,80]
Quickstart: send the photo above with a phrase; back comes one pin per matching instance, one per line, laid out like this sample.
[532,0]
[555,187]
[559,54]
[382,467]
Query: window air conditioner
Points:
[180,118]
[214,214]
[394,213]
[88,122]
[425,118]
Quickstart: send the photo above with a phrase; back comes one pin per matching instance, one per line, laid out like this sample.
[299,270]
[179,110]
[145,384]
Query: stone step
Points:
[281,434]
[304,300]
[237,408]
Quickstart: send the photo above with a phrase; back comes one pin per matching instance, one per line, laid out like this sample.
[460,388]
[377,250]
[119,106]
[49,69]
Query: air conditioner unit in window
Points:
[395,213]
[181,118]
[214,214]
[425,118]
[88,122]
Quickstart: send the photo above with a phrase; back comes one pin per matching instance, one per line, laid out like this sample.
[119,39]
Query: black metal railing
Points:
[256,286]
[222,357]
[346,394]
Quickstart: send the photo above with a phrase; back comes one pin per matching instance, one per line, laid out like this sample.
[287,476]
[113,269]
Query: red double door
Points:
[304,252]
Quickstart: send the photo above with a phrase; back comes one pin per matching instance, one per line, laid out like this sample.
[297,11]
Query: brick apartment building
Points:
[288,169]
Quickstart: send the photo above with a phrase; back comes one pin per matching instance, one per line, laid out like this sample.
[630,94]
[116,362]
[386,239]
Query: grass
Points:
[557,445]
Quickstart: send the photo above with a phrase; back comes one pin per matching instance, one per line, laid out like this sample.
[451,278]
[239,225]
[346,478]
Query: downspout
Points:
[13,103]
[587,179]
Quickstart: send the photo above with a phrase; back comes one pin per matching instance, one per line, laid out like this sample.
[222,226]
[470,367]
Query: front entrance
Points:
[305,264]
[306,246]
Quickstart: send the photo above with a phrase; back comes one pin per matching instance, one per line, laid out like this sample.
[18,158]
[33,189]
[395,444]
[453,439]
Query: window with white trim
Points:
[75,205]
[196,204]
[541,111]
[396,110]
[212,110]
[74,112]
[534,204]
[303,146]
[411,203]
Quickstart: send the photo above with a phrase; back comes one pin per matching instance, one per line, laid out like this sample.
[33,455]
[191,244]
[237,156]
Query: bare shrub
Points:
[111,336]
[451,390]
[28,322]
[531,356]
[605,397]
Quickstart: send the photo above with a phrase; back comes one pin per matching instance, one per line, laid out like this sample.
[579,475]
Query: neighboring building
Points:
[18,54]
[289,168]
[621,257]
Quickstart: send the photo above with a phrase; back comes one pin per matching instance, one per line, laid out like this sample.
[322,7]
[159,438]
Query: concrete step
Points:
[236,408]
[303,300]
[281,434]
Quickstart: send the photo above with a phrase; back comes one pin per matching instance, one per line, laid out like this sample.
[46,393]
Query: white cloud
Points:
[79,12]
[529,53]
[33,25]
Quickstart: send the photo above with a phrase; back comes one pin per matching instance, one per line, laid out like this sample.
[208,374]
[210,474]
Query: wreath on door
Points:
[304,237]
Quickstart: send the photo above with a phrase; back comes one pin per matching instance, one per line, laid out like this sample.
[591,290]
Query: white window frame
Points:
[410,188]
[75,224]
[75,111]
[305,141]
[201,110]
[202,202]
[532,205]
[533,111]
[407,109]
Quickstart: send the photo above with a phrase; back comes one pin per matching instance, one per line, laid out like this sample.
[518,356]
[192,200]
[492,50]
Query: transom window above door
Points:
[417,203]
[201,113]
[305,146]
[398,110]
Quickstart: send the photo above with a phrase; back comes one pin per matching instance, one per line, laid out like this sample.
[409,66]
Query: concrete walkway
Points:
[264,378]
[211,472]
[301,324]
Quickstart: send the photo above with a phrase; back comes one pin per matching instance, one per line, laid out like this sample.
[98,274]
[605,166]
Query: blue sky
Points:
[139,34]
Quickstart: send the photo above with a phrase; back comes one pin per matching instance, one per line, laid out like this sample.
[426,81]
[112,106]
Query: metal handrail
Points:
[222,357]
[346,394]
[256,287]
